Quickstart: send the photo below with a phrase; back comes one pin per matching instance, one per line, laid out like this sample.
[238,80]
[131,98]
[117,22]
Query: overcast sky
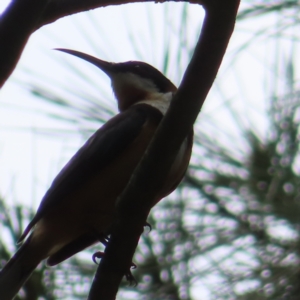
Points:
[34,147]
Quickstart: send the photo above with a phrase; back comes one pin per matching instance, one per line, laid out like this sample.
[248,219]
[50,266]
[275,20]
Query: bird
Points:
[77,210]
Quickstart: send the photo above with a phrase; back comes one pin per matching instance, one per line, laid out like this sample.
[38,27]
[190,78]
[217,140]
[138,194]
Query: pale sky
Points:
[30,158]
[34,147]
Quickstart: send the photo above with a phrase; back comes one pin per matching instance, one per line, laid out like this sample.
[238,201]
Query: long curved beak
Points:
[105,66]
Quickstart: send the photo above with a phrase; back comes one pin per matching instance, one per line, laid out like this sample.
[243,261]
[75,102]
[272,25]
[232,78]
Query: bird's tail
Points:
[16,271]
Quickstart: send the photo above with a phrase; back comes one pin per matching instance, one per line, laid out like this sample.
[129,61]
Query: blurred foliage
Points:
[231,230]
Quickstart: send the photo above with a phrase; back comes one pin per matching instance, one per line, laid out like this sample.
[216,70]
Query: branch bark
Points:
[57,9]
[16,25]
[134,204]
[22,17]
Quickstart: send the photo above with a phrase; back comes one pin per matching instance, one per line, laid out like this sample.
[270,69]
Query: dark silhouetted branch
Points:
[136,201]
[16,25]
[22,17]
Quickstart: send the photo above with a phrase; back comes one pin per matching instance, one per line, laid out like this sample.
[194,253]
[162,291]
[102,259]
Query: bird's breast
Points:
[90,206]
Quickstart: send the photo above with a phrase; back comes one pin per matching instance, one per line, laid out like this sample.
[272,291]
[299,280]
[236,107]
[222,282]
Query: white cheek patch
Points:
[122,81]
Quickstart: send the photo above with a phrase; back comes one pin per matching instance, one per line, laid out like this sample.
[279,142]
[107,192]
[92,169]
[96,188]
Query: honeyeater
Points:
[79,205]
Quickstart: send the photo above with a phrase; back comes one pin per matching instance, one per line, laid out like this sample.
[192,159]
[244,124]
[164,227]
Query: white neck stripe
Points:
[159,101]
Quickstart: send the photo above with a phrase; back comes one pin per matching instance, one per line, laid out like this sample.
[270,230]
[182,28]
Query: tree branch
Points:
[16,25]
[22,17]
[58,9]
[136,201]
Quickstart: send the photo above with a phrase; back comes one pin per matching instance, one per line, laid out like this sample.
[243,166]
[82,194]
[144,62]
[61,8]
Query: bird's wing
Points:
[100,149]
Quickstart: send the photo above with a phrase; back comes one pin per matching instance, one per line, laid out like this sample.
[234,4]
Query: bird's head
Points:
[131,81]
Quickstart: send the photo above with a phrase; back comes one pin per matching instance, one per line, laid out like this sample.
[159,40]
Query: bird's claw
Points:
[133,265]
[100,255]
[128,274]
[97,254]
[148,225]
[130,278]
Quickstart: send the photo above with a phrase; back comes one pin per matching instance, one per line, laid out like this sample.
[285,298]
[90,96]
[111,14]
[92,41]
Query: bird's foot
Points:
[128,274]
[148,225]
[97,254]
[129,277]
[100,254]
